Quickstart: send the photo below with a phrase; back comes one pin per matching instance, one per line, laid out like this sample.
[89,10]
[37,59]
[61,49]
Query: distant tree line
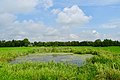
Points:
[25,42]
[15,43]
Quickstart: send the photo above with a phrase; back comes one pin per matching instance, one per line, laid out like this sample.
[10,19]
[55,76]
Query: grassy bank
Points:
[105,65]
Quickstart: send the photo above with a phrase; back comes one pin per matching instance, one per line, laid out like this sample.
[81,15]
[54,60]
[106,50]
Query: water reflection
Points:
[61,57]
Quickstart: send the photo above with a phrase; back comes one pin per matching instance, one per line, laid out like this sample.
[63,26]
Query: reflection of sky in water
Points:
[67,58]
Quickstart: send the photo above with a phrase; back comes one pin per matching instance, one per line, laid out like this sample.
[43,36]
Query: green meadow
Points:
[105,65]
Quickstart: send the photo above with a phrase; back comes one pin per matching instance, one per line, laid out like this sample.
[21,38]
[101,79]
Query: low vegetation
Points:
[105,65]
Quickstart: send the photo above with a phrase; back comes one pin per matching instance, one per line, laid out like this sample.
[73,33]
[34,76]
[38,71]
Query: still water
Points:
[56,57]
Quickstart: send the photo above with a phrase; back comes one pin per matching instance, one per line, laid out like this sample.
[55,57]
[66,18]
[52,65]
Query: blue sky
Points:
[59,20]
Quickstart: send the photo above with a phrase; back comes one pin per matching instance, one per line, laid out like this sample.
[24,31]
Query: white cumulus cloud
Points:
[72,16]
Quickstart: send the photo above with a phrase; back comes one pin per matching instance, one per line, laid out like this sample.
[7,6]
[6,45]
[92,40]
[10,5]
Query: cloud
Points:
[17,6]
[111,24]
[6,19]
[23,6]
[72,16]
[35,31]
[114,36]
[90,35]
[38,31]
[74,36]
[55,11]
[10,28]
[46,3]
[14,27]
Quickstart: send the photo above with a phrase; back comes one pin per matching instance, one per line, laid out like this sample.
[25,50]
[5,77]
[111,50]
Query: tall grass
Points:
[105,65]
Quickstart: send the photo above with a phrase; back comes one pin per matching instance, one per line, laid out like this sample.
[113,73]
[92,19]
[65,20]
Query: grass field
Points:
[105,65]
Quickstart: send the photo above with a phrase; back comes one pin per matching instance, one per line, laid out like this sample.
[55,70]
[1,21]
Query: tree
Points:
[26,42]
[97,43]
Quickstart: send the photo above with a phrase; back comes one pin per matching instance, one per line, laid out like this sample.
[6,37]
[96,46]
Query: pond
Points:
[56,57]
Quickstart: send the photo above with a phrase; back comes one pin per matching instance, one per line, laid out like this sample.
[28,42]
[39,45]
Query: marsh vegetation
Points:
[105,65]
